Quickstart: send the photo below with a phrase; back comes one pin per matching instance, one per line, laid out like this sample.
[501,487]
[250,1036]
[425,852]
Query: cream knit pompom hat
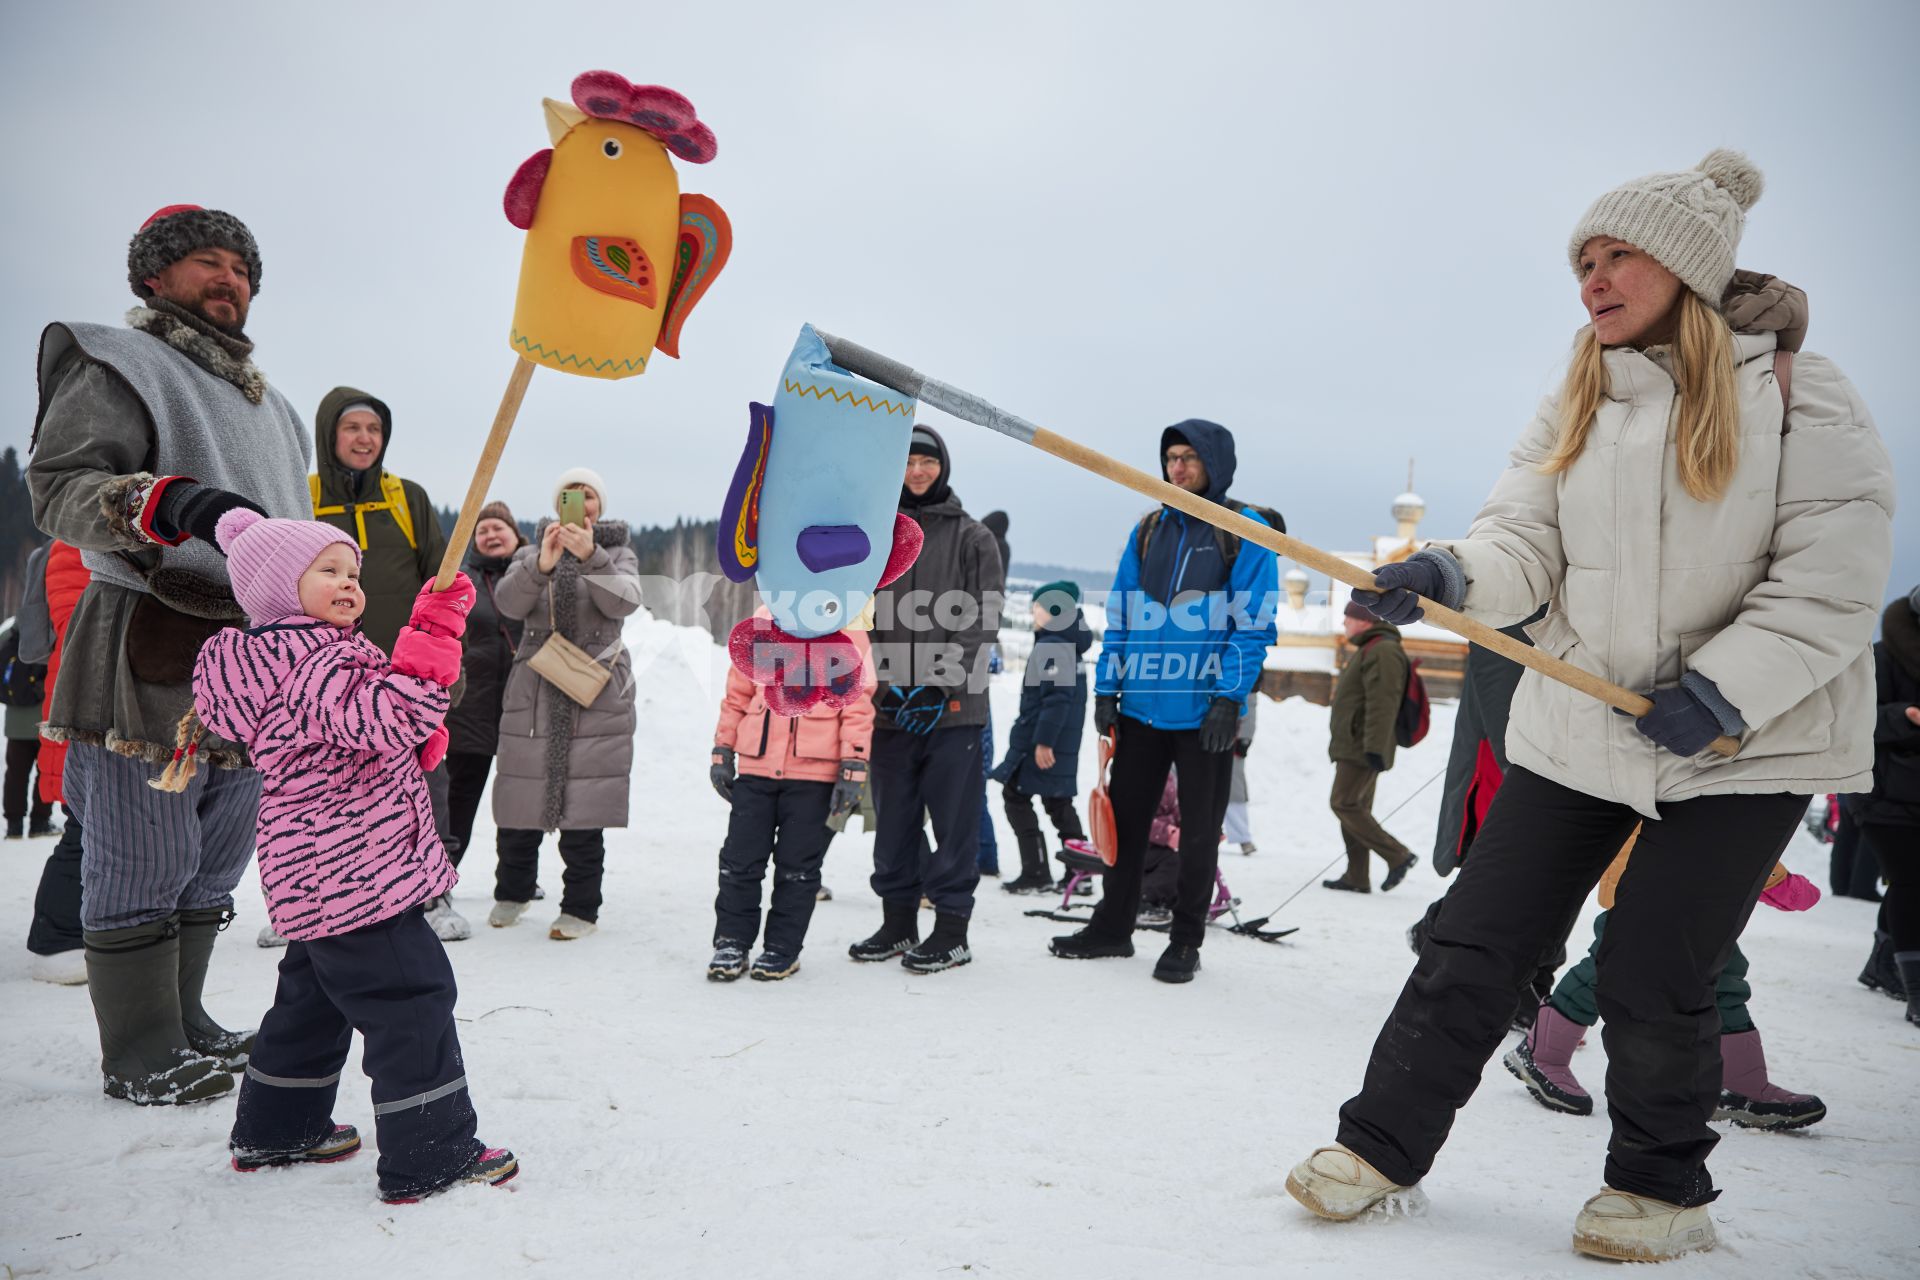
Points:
[1690,222]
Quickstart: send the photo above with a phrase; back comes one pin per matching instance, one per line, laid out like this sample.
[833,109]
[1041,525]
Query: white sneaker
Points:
[268,938]
[568,928]
[1335,1183]
[1629,1228]
[506,914]
[448,925]
[62,968]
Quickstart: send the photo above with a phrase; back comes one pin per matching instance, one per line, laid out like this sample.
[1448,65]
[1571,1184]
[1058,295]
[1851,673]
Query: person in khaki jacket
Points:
[1709,519]
[795,775]
[1366,703]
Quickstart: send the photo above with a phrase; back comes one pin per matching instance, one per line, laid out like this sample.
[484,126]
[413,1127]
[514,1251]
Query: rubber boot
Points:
[899,929]
[1751,1100]
[1909,963]
[1543,1062]
[133,976]
[198,929]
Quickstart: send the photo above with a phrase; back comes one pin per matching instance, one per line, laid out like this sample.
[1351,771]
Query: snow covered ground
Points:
[1022,1117]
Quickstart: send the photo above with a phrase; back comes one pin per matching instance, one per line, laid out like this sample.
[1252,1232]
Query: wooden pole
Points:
[483,472]
[1351,574]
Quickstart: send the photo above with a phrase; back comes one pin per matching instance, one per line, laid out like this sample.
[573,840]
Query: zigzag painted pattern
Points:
[846,397]
[541,352]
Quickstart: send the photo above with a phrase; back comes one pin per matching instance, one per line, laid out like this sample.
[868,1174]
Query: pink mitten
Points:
[444,613]
[433,750]
[426,656]
[1795,893]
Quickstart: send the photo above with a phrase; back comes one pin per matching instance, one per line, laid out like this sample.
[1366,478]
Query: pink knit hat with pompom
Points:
[265,559]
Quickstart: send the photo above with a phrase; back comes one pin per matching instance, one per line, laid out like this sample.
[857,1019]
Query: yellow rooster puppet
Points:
[615,255]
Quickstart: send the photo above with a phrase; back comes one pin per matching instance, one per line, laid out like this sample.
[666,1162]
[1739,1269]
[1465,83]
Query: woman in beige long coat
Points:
[563,767]
[1709,519]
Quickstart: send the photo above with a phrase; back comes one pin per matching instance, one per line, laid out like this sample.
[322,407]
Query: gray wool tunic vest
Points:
[203,428]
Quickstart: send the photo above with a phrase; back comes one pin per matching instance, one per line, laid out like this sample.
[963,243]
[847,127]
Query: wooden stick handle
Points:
[1351,574]
[483,473]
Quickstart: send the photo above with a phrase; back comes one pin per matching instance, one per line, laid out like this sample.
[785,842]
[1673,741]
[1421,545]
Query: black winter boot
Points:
[1178,963]
[1909,962]
[133,976]
[898,931]
[945,947]
[1087,944]
[1881,974]
[1033,866]
[198,929]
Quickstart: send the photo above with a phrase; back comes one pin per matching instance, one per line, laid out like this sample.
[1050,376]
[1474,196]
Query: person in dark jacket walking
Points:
[473,727]
[1366,702]
[22,688]
[1043,747]
[401,544]
[1189,620]
[995,522]
[1889,815]
[932,629]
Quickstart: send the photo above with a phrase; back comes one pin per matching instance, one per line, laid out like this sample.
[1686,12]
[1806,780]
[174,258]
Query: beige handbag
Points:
[566,666]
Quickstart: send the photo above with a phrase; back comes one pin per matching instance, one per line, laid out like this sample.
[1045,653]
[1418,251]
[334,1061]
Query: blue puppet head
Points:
[813,516]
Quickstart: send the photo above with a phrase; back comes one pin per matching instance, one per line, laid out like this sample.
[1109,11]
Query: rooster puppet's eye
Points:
[611,148]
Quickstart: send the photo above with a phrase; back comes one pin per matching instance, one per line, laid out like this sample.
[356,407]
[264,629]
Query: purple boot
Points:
[1752,1101]
[1543,1062]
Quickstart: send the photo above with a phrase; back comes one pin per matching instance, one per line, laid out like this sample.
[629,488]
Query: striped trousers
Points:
[390,982]
[146,854]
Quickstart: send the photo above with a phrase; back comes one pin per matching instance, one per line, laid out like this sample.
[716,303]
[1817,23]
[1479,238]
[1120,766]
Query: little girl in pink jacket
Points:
[348,854]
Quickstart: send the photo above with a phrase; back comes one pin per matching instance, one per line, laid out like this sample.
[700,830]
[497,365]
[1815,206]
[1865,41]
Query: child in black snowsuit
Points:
[1043,748]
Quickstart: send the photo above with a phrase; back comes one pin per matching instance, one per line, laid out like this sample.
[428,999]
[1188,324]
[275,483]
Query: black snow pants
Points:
[1686,895]
[913,775]
[781,819]
[390,982]
[56,904]
[583,854]
[1142,755]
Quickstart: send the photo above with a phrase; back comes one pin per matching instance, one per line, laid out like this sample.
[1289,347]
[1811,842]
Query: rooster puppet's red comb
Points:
[657,109]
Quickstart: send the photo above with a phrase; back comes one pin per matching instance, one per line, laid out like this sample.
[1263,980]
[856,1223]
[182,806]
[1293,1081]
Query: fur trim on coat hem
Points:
[219,756]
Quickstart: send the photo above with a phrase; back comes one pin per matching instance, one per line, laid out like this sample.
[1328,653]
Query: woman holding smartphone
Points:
[563,766]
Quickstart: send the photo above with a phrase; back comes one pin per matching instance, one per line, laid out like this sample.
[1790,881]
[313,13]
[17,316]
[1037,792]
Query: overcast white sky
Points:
[1338,230]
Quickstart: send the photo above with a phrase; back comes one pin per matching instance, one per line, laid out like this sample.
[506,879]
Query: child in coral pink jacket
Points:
[794,775]
[348,855]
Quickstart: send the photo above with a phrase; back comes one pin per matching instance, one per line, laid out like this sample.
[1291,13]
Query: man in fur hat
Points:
[144,437]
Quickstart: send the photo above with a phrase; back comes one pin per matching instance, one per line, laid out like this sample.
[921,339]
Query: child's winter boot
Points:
[770,966]
[1752,1101]
[1033,876]
[945,947]
[1628,1228]
[198,930]
[729,960]
[1337,1184]
[898,931]
[1543,1061]
[493,1166]
[133,976]
[341,1142]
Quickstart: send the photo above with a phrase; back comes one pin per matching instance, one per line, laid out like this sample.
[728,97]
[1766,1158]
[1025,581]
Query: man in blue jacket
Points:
[1188,624]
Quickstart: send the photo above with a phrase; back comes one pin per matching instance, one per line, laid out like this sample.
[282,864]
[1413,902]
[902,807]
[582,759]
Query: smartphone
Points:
[573,507]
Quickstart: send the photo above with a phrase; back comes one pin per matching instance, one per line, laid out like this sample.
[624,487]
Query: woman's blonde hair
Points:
[1707,433]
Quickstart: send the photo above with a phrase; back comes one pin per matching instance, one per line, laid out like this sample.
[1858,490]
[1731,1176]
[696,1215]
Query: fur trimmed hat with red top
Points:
[176,231]
[266,559]
[1690,222]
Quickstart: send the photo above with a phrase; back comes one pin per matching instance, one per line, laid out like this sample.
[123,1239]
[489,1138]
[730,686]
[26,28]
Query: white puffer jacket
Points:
[1771,592]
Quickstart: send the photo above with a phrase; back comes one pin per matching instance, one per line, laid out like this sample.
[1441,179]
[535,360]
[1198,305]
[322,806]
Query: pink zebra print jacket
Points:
[345,833]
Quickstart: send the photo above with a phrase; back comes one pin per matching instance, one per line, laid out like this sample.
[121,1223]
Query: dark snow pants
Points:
[390,982]
[786,821]
[1026,826]
[20,795]
[1898,848]
[1142,755]
[1574,996]
[56,904]
[1685,897]
[466,783]
[583,854]
[913,775]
